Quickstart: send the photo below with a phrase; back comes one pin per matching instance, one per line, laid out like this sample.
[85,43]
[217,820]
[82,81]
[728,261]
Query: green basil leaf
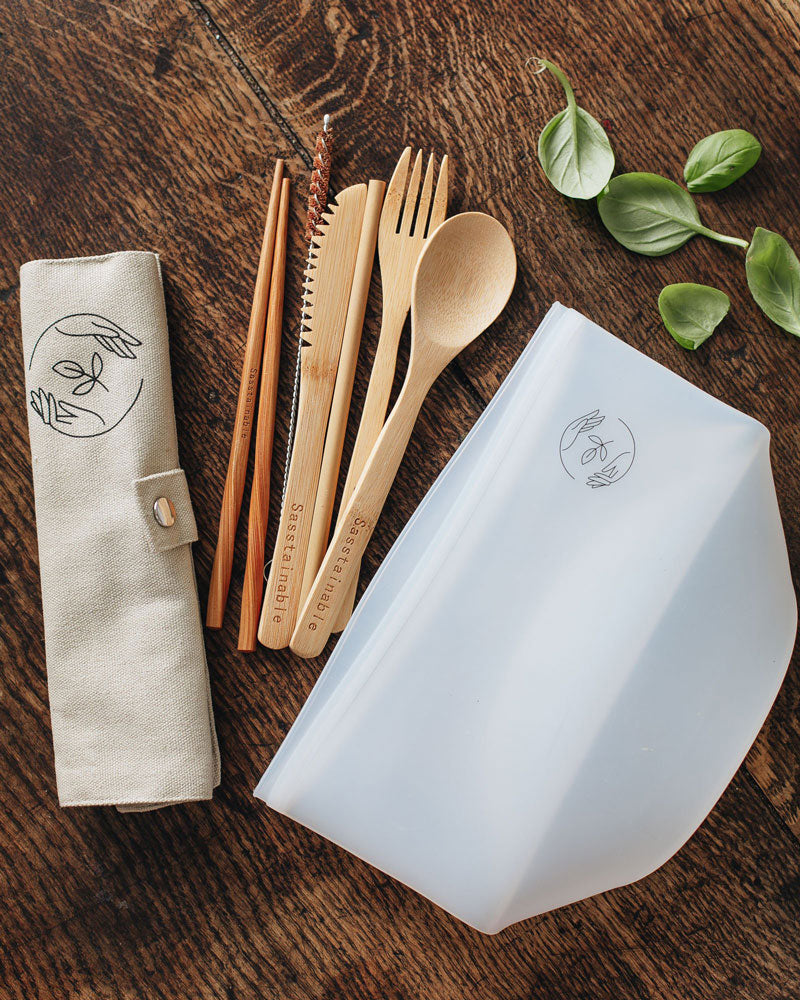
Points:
[574,150]
[692,312]
[773,277]
[720,159]
[651,215]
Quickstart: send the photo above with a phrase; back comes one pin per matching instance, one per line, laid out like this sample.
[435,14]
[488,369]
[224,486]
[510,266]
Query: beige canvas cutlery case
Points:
[127,675]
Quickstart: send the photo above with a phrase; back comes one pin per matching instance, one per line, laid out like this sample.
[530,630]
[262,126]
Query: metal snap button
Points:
[164,512]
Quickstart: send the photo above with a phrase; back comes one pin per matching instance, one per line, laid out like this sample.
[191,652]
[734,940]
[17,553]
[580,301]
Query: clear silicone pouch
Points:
[569,650]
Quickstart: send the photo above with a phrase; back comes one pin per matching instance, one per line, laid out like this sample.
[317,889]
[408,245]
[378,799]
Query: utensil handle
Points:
[243,425]
[357,522]
[279,610]
[253,587]
[373,417]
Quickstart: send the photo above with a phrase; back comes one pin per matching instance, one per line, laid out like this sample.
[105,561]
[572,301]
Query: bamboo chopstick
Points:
[240,445]
[340,407]
[265,428]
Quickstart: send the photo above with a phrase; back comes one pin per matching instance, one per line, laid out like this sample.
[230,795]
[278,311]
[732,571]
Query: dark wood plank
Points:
[155,125]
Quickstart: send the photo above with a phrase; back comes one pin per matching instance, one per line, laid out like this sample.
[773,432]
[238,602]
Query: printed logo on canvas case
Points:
[88,374]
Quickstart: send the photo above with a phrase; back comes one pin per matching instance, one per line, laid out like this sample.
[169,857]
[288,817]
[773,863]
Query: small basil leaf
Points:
[773,277]
[692,312]
[574,150]
[651,215]
[720,159]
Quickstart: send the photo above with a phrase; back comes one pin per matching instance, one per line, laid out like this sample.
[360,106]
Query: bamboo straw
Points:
[240,445]
[265,429]
[340,407]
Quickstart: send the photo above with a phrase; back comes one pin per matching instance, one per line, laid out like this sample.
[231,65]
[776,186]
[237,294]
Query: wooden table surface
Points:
[154,124]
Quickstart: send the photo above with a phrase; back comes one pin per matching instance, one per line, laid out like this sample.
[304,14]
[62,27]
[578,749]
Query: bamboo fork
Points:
[399,248]
[240,445]
[265,429]
[340,407]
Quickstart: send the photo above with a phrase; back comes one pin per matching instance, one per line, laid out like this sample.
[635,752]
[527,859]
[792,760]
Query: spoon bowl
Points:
[463,280]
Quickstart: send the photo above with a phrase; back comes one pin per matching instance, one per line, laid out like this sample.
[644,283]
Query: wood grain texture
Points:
[152,124]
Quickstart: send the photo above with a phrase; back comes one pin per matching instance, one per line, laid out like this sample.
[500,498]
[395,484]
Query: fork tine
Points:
[425,200]
[393,199]
[411,196]
[439,210]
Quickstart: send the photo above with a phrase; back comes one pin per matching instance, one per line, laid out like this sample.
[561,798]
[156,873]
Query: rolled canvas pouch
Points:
[568,651]
[126,668]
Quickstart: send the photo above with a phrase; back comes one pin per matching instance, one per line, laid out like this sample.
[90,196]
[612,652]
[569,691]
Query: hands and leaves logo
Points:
[597,449]
[89,358]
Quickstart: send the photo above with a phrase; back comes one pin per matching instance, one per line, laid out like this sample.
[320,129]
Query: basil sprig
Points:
[720,159]
[652,215]
[773,277]
[574,150]
[692,312]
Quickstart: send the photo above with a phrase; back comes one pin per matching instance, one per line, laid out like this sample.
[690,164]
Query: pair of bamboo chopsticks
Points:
[259,380]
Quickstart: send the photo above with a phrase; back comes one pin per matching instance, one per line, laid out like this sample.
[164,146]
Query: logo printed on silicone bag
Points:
[596,449]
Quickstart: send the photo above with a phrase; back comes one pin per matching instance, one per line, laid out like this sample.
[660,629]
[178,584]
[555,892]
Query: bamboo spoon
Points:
[463,280]
[340,407]
[265,430]
[399,247]
[240,445]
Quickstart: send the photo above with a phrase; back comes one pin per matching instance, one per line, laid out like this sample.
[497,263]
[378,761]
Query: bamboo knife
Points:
[329,281]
